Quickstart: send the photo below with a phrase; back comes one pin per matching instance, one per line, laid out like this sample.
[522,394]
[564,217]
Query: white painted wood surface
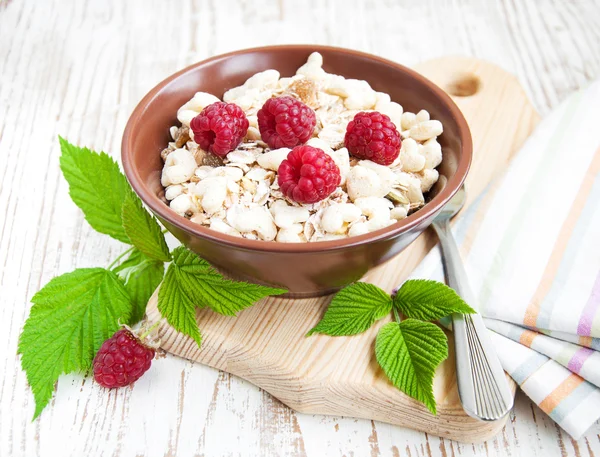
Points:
[77,68]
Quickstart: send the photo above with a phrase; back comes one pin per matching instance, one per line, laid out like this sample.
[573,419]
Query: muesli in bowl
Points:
[312,157]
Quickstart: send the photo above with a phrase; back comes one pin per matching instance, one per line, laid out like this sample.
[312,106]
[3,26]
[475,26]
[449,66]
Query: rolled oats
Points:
[252,220]
[336,217]
[408,120]
[212,193]
[432,151]
[181,204]
[292,234]
[363,182]
[410,158]
[399,212]
[174,190]
[286,216]
[193,107]
[273,158]
[425,130]
[239,195]
[221,226]
[179,167]
[428,178]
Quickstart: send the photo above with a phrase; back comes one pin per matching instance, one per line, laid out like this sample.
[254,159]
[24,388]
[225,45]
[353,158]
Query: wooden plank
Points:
[78,69]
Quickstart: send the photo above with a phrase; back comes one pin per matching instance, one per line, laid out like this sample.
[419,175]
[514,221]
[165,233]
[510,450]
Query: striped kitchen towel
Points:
[531,245]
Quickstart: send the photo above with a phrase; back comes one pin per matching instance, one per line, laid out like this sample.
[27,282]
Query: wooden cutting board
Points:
[340,376]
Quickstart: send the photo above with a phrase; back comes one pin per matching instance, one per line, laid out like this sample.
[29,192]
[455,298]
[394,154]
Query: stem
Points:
[149,330]
[396,315]
[120,257]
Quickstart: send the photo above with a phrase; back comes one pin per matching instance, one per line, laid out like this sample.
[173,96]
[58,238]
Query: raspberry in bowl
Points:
[285,122]
[330,178]
[219,128]
[307,175]
[373,136]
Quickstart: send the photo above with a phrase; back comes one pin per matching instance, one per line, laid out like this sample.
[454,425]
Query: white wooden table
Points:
[77,68]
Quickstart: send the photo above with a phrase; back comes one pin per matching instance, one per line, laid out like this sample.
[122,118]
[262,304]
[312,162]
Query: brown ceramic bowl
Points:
[305,269]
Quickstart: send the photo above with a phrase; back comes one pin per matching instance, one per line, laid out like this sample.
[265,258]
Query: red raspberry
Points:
[285,122]
[220,128]
[373,136]
[121,360]
[308,175]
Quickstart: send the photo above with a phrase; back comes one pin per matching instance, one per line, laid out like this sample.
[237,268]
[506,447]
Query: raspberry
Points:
[308,175]
[220,128]
[373,136]
[121,360]
[285,122]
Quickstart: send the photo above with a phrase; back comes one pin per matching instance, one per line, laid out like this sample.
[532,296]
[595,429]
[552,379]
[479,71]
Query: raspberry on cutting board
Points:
[285,122]
[220,128]
[308,175]
[121,360]
[373,136]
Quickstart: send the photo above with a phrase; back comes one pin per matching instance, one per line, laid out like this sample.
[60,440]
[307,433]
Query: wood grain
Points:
[78,68]
[339,376]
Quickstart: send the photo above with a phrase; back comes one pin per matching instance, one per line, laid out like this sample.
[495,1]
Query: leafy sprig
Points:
[353,310]
[70,318]
[75,312]
[192,283]
[410,350]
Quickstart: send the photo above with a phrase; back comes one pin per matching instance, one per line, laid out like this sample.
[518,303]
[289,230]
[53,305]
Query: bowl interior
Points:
[149,126]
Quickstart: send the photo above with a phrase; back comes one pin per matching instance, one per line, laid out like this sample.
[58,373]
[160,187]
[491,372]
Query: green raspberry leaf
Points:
[229,297]
[190,263]
[409,352]
[175,305]
[70,319]
[429,300]
[142,276]
[143,230]
[353,310]
[191,282]
[97,186]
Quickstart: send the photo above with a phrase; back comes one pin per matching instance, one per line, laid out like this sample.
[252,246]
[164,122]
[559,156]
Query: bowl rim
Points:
[164,212]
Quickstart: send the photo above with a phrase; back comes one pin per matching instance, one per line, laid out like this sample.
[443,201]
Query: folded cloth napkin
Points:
[531,245]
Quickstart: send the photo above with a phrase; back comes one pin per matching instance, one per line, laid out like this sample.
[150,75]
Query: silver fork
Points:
[482,386]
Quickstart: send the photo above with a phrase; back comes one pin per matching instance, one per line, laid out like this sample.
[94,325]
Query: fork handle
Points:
[482,386]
